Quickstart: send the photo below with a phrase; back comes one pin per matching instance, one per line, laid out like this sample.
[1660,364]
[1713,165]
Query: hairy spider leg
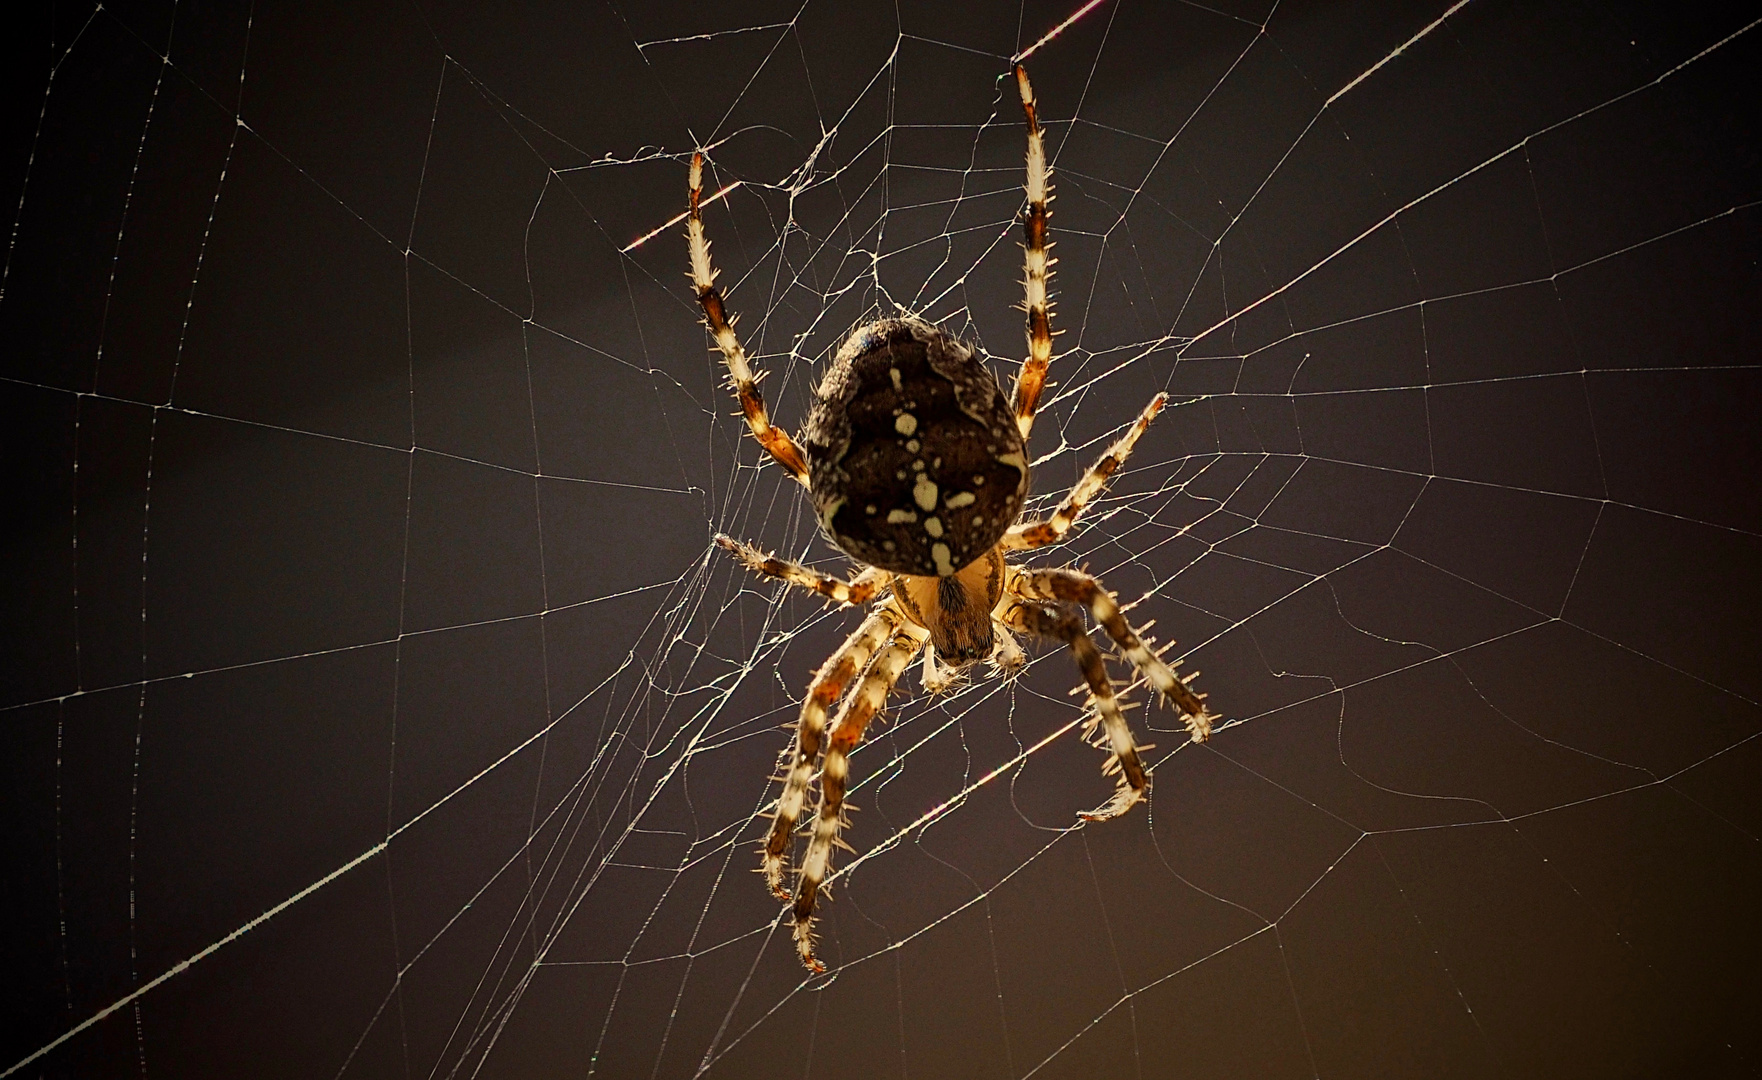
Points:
[775,440]
[1076,587]
[858,590]
[847,730]
[830,683]
[1037,263]
[1064,622]
[1034,534]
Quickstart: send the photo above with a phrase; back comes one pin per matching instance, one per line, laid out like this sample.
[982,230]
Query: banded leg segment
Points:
[1037,264]
[829,684]
[1065,623]
[775,440]
[858,590]
[1034,534]
[1075,587]
[864,703]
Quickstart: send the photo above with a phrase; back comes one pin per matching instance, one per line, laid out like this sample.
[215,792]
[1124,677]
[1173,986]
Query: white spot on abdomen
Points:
[933,526]
[900,517]
[944,567]
[924,493]
[960,499]
[905,423]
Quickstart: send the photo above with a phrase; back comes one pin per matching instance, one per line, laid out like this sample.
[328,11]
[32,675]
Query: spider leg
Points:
[1076,587]
[1065,623]
[1037,266]
[775,440]
[829,684]
[857,590]
[1034,534]
[847,730]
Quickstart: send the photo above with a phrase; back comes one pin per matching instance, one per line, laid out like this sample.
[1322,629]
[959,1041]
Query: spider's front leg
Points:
[1076,587]
[847,730]
[829,684]
[1064,622]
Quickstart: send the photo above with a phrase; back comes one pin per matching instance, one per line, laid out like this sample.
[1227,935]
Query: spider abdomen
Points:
[915,460]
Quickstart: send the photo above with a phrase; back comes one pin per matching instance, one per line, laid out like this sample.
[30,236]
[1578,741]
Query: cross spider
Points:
[918,470]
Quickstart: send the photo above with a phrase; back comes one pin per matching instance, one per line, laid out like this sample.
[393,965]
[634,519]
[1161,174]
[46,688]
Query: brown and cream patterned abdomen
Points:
[915,459]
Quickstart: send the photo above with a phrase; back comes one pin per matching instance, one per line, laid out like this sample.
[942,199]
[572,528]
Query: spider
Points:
[917,467]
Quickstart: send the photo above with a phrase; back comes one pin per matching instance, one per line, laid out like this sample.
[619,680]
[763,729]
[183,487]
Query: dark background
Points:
[357,563]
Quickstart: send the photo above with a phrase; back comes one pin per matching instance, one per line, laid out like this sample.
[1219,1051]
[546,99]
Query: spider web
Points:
[377,704]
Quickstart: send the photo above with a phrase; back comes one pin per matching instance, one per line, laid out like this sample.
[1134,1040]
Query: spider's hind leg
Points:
[774,439]
[1037,263]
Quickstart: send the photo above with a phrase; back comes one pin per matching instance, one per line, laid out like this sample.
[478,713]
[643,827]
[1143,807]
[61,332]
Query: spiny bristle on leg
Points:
[1124,798]
[772,867]
[804,945]
[862,706]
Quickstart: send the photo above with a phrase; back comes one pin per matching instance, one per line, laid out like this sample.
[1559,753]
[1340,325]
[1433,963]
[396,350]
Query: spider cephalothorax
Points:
[917,465]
